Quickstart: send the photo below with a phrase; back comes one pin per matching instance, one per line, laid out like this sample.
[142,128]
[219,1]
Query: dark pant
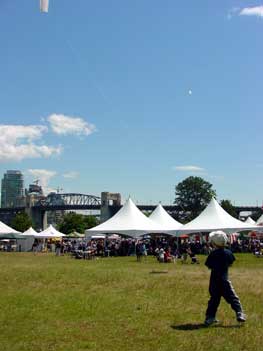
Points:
[222,288]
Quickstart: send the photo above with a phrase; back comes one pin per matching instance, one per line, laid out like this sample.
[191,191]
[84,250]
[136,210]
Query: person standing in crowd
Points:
[58,248]
[138,250]
[220,286]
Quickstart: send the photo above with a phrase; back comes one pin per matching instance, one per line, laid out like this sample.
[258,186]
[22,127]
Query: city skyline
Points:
[133,98]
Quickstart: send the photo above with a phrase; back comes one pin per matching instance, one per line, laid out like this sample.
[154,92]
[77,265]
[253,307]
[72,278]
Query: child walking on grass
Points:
[220,286]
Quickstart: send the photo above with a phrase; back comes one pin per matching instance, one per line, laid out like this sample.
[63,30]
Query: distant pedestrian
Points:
[138,250]
[220,286]
[58,248]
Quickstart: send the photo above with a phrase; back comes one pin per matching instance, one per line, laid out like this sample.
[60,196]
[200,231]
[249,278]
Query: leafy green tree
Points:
[90,221]
[192,195]
[21,222]
[229,208]
[73,221]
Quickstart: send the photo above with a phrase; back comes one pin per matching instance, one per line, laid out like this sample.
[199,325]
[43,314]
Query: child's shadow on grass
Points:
[195,326]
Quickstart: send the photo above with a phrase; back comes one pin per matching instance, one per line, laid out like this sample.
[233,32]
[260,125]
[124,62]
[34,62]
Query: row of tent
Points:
[130,221]
[7,232]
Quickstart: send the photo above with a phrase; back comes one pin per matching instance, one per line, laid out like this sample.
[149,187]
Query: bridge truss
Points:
[69,199]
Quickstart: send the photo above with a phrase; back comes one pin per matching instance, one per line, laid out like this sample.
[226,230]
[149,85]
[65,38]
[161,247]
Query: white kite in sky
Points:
[44,5]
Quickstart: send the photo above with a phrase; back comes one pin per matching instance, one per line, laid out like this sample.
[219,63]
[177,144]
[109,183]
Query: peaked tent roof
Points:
[50,232]
[214,217]
[5,229]
[249,220]
[260,220]
[161,217]
[30,232]
[129,220]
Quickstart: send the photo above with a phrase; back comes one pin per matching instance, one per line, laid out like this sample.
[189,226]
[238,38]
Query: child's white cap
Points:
[218,238]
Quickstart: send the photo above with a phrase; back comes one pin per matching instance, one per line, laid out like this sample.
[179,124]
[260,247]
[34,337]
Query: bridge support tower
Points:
[110,204]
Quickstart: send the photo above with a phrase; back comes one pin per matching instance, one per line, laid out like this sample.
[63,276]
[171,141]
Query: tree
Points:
[229,208]
[192,195]
[21,222]
[73,221]
[90,221]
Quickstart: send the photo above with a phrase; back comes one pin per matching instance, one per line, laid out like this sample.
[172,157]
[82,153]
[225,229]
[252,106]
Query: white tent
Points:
[260,220]
[249,220]
[30,232]
[129,220]
[5,229]
[96,237]
[49,233]
[214,217]
[29,235]
[163,219]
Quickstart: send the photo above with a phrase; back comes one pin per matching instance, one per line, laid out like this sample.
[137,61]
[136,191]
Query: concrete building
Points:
[12,189]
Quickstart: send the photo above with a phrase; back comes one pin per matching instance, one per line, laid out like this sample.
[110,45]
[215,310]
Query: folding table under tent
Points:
[129,221]
[214,217]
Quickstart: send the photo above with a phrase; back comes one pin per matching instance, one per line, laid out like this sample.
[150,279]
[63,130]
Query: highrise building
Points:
[12,189]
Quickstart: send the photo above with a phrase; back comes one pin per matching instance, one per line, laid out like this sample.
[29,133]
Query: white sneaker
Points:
[241,317]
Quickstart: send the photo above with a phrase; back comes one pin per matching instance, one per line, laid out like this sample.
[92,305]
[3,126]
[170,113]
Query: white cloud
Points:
[71,175]
[17,142]
[44,176]
[65,125]
[189,169]
[252,11]
[246,11]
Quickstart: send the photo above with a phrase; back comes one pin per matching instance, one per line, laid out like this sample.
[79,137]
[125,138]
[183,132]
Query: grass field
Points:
[58,303]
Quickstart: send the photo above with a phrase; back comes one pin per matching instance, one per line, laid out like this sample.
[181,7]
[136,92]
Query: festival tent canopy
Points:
[129,220]
[214,217]
[30,232]
[76,235]
[11,236]
[249,220]
[260,220]
[49,233]
[163,219]
[5,229]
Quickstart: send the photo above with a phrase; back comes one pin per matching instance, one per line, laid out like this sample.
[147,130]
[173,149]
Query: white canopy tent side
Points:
[260,220]
[249,220]
[26,245]
[214,217]
[129,220]
[5,229]
[23,244]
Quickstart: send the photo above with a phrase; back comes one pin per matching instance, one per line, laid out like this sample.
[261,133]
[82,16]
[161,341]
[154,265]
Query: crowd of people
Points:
[166,249]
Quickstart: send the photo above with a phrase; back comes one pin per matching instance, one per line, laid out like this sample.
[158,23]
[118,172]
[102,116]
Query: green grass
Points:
[58,303]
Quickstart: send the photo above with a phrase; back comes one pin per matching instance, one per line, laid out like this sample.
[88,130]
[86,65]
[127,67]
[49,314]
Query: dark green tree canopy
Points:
[229,208]
[192,195]
[76,222]
[21,222]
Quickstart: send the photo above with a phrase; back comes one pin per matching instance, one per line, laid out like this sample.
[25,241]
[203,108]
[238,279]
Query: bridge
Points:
[108,204]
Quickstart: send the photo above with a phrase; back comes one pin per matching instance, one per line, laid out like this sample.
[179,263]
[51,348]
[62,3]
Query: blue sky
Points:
[133,96]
